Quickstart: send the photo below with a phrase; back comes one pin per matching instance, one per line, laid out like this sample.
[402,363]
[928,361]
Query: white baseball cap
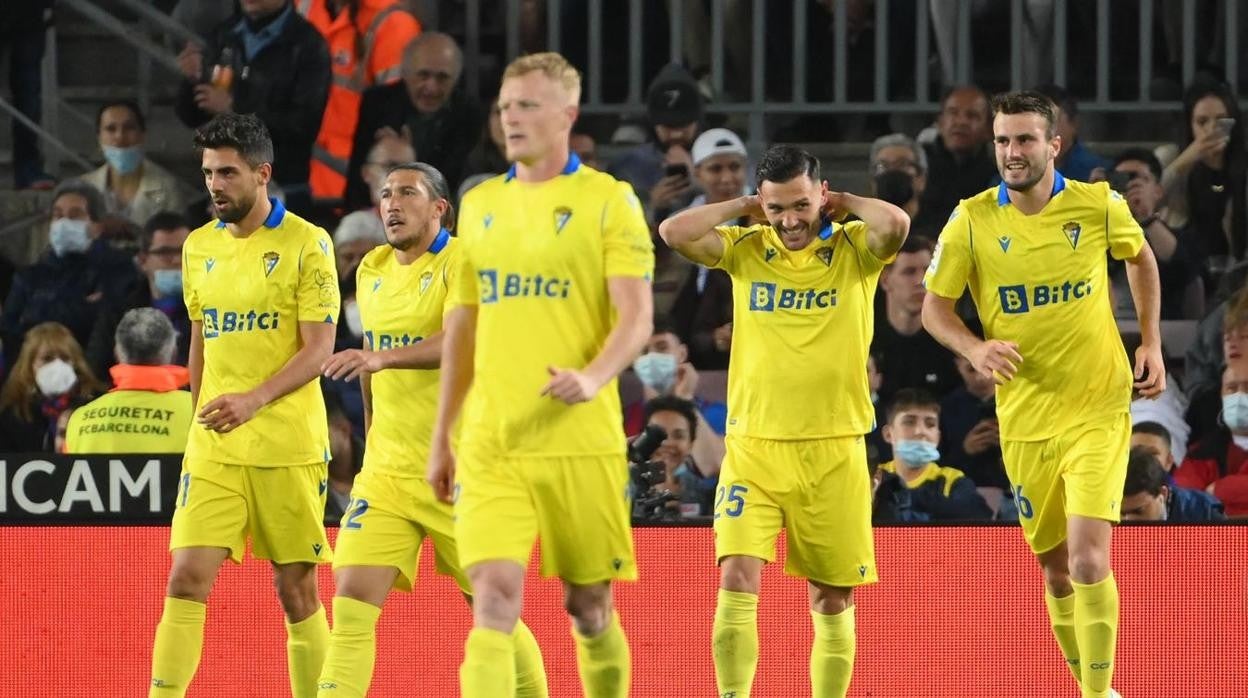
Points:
[717,141]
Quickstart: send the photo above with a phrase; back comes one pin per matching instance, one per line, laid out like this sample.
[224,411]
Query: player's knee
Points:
[1089,566]
[296,591]
[739,573]
[590,606]
[190,582]
[496,596]
[830,600]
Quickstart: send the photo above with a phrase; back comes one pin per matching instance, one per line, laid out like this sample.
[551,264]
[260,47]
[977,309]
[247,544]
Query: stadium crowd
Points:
[350,89]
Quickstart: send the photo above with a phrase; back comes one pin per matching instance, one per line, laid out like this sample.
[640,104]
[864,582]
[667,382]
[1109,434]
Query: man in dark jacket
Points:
[1148,494]
[426,106]
[79,279]
[269,62]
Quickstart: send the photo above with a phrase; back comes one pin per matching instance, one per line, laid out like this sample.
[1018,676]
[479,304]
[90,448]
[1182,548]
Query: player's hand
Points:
[996,359]
[834,207]
[191,62]
[686,381]
[212,99]
[570,386]
[722,337]
[1150,371]
[225,413]
[440,472]
[752,208]
[982,437]
[351,364]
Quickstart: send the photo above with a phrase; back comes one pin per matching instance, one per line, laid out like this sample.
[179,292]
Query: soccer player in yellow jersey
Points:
[798,402]
[1033,252]
[262,296]
[553,303]
[402,292]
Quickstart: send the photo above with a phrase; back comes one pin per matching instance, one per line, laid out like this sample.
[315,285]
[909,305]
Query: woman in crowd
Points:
[134,187]
[49,377]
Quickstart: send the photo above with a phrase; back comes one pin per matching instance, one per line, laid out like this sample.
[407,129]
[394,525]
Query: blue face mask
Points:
[124,160]
[67,236]
[168,282]
[656,370]
[916,454]
[1235,411]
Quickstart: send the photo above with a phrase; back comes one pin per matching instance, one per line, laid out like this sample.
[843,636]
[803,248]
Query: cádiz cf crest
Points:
[425,280]
[270,262]
[562,215]
[825,253]
[1072,230]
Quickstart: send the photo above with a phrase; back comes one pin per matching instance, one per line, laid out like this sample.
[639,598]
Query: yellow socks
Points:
[734,642]
[1096,626]
[306,644]
[352,652]
[832,653]
[175,652]
[489,668]
[1062,618]
[604,663]
[530,672]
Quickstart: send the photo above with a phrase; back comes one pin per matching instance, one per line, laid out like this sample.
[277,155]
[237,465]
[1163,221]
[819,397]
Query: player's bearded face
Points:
[793,208]
[233,206]
[407,210]
[1023,149]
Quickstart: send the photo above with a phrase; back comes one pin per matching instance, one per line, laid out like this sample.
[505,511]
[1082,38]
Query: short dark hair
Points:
[1143,155]
[663,324]
[1144,473]
[438,187]
[917,243]
[245,133]
[911,397]
[1026,102]
[1152,428]
[1062,98]
[163,220]
[681,406]
[96,206]
[784,162]
[128,104]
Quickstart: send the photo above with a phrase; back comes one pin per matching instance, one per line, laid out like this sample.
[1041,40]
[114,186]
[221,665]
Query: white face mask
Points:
[656,371]
[351,315]
[55,378]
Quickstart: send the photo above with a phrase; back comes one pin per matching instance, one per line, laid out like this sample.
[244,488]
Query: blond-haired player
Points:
[555,302]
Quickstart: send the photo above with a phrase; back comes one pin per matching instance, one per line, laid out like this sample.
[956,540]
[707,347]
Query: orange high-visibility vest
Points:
[366,54]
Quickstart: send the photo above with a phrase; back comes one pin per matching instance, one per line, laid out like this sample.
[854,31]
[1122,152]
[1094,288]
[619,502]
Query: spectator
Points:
[909,356]
[878,450]
[366,40]
[586,148]
[362,230]
[442,122]
[691,484]
[702,310]
[274,64]
[664,369]
[23,31]
[1218,463]
[1221,337]
[1074,160]
[971,435]
[146,411]
[912,486]
[489,157]
[661,170]
[959,160]
[1147,494]
[1137,176]
[346,458]
[50,376]
[1156,438]
[1206,183]
[898,173]
[160,261]
[134,187]
[79,279]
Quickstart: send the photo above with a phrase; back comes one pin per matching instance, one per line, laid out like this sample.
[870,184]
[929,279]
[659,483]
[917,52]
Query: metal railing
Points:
[948,21]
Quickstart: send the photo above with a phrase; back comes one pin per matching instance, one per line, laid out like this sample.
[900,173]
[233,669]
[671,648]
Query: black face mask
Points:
[894,186]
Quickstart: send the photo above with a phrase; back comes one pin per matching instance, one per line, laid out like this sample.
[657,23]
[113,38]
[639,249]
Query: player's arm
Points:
[352,363]
[634,310]
[459,340]
[366,392]
[226,412]
[195,359]
[708,449]
[993,358]
[887,225]
[692,231]
[1145,282]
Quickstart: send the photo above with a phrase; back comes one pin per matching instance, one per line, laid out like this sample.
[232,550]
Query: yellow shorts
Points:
[577,505]
[1080,472]
[386,522]
[220,505]
[818,490]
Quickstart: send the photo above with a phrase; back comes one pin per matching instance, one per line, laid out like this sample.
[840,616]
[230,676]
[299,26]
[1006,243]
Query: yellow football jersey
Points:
[801,328]
[538,256]
[1042,281]
[251,294]
[399,306]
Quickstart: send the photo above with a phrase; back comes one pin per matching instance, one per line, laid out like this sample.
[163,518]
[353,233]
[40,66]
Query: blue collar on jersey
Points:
[275,216]
[1003,193]
[439,242]
[826,231]
[574,163]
